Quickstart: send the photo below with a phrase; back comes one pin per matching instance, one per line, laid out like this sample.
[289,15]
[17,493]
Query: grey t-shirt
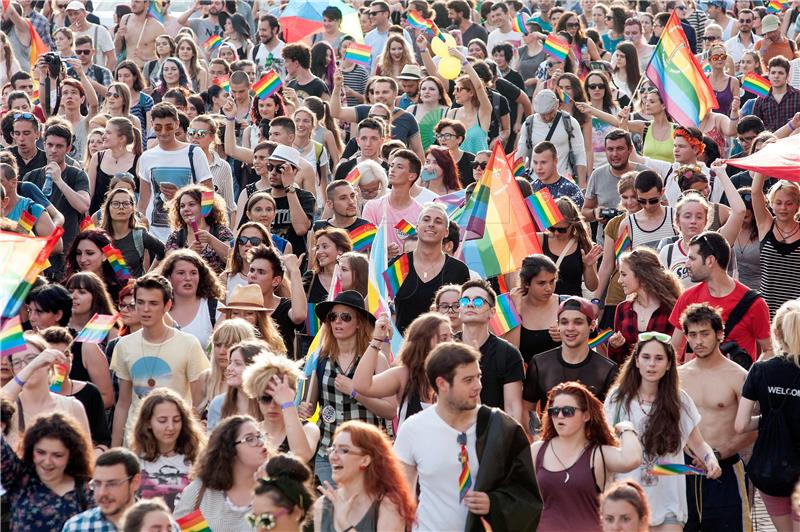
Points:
[603,186]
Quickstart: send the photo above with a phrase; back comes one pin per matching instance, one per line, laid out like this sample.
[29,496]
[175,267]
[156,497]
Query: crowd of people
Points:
[248,382]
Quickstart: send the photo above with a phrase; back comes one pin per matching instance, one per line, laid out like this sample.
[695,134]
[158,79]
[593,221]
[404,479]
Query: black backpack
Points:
[730,348]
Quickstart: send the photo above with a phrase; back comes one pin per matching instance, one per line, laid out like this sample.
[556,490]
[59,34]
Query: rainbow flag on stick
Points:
[354,176]
[544,209]
[601,338]
[622,243]
[193,522]
[674,70]
[97,329]
[156,10]
[556,46]
[416,20]
[377,291]
[312,321]
[11,339]
[38,47]
[206,202]
[269,84]
[22,258]
[675,469]
[59,374]
[223,82]
[396,274]
[362,237]
[405,228]
[758,85]
[26,221]
[506,316]
[452,201]
[359,53]
[212,43]
[87,224]
[776,6]
[518,24]
[117,262]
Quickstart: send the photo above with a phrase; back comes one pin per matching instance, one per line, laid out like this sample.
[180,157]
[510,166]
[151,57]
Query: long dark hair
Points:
[652,276]
[632,71]
[415,351]
[445,161]
[100,239]
[608,101]
[578,95]
[214,466]
[597,429]
[102,303]
[183,80]
[561,25]
[662,433]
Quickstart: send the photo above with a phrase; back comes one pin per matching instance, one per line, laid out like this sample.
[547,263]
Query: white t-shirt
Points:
[157,165]
[101,39]
[514,38]
[676,261]
[427,442]
[375,209]
[426,196]
[200,327]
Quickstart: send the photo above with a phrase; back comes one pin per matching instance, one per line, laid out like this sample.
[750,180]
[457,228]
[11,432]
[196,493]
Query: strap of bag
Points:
[553,126]
[564,253]
[570,156]
[199,498]
[191,162]
[739,310]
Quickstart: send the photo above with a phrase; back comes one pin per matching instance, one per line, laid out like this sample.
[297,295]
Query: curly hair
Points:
[597,429]
[415,350]
[383,477]
[265,366]
[209,285]
[280,108]
[214,466]
[218,217]
[656,280]
[287,483]
[143,442]
[64,428]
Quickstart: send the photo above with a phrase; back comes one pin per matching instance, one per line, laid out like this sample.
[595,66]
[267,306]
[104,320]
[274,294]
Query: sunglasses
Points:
[253,240]
[747,198]
[24,116]
[561,230]
[199,133]
[477,302]
[126,306]
[661,337]
[333,316]
[719,57]
[83,52]
[165,127]
[650,201]
[265,399]
[376,13]
[573,24]
[275,168]
[566,411]
[708,38]
[595,86]
[266,520]
[482,166]
[112,95]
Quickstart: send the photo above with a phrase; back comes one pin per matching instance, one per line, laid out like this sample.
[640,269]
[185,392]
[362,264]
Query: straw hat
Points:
[246,297]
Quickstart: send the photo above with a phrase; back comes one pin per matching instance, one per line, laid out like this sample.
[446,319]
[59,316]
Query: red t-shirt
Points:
[753,326]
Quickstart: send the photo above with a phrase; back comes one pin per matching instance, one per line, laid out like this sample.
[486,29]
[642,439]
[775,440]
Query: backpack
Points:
[730,348]
[567,127]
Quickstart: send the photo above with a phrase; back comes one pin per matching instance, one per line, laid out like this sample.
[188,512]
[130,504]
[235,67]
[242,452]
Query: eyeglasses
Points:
[266,520]
[650,201]
[165,127]
[561,230]
[24,116]
[719,57]
[566,411]
[277,168]
[199,133]
[333,316]
[83,52]
[444,307]
[252,440]
[253,240]
[476,165]
[444,136]
[97,485]
[595,86]
[477,302]
[652,335]
[126,306]
[376,13]
[708,38]
[265,399]
[19,363]
[343,451]
[121,204]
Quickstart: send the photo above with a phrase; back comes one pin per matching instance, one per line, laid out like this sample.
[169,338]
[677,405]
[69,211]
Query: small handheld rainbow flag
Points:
[556,46]
[269,84]
[117,262]
[518,24]
[622,243]
[756,84]
[517,164]
[193,522]
[396,275]
[776,6]
[675,469]
[601,338]
[354,176]
[405,229]
[362,237]
[359,53]
[312,321]
[87,224]
[212,43]
[59,374]
[156,10]
[544,209]
[223,82]
[206,202]
[564,96]
[11,339]
[506,316]
[416,20]
[97,329]
[26,221]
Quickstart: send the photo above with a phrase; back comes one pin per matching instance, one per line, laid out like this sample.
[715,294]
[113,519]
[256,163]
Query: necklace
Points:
[566,469]
[151,382]
[784,236]
[642,402]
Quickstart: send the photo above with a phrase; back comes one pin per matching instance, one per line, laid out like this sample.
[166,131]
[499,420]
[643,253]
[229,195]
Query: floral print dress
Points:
[34,506]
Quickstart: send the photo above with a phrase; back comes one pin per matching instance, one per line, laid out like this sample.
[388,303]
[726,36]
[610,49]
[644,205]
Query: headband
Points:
[697,145]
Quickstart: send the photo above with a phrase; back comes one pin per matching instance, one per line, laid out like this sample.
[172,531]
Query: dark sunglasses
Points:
[651,201]
[747,198]
[561,230]
[254,240]
[573,24]
[376,13]
[333,316]
[708,38]
[275,168]
[83,52]
[595,86]
[477,165]
[265,399]
[566,411]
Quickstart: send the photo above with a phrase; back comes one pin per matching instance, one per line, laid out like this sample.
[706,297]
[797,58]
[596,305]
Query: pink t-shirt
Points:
[374,211]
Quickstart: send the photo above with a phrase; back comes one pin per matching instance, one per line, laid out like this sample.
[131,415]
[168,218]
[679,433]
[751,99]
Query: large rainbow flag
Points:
[509,233]
[22,258]
[674,70]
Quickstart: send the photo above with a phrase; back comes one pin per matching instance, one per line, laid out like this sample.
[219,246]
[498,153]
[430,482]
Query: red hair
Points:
[445,161]
[597,429]
[384,476]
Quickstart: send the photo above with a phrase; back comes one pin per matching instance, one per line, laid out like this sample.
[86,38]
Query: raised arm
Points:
[734,223]
[365,381]
[760,208]
[229,110]
[299,308]
[345,114]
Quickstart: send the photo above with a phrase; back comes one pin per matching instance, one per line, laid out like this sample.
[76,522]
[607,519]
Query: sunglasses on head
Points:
[254,240]
[333,316]
[566,411]
[649,201]
[24,116]
[652,335]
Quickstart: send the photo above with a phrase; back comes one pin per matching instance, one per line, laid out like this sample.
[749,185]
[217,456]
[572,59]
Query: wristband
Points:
[375,347]
[19,381]
[287,404]
[353,394]
[791,127]
[231,118]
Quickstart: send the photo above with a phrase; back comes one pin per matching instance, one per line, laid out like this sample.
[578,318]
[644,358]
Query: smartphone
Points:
[597,65]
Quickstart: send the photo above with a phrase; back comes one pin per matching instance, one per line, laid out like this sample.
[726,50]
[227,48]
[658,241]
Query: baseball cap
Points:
[545,102]
[770,23]
[286,154]
[584,306]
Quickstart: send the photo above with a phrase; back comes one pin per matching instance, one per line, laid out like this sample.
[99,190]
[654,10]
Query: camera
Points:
[607,213]
[54,64]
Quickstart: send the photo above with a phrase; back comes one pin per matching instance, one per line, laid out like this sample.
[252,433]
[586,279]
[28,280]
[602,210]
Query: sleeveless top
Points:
[719,139]
[570,271]
[102,181]
[532,342]
[426,125]
[368,523]
[476,139]
[200,327]
[748,258]
[724,99]
[410,405]
[657,149]
[780,271]
[571,505]
[640,237]
[78,371]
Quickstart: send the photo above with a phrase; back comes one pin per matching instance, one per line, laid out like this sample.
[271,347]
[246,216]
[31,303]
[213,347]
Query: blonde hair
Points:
[791,188]
[227,333]
[692,196]
[786,331]
[265,366]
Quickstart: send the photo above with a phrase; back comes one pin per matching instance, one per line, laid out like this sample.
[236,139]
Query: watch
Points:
[291,189]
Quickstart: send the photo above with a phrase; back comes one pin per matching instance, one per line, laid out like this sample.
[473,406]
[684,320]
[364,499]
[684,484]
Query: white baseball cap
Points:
[286,154]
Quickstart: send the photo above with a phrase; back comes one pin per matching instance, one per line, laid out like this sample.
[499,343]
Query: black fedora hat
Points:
[348,298]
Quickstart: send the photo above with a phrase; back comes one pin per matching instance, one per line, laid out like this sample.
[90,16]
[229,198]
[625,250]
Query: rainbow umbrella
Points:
[301,18]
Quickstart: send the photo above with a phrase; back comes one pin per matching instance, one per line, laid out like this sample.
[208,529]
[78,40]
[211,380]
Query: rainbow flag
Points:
[97,329]
[193,522]
[206,202]
[477,208]
[362,237]
[22,258]
[564,97]
[396,274]
[35,97]
[59,374]
[675,469]
[405,228]
[156,10]
[223,82]
[544,209]
[674,70]
[452,201]
[212,43]
[509,234]
[312,321]
[377,291]
[518,24]
[359,53]
[11,339]
[776,6]
[87,224]
[556,46]
[601,338]
[758,85]
[505,317]
[38,47]
[517,164]
[416,20]
[26,221]
[622,243]
[354,176]
[269,84]
[117,262]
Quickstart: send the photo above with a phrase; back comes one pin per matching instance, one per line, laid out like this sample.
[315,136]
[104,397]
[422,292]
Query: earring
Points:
[362,467]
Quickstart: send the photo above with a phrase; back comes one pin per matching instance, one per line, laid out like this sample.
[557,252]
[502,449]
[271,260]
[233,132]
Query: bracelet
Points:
[353,394]
[375,347]
[791,127]
[287,404]
[19,381]
[629,429]
[231,118]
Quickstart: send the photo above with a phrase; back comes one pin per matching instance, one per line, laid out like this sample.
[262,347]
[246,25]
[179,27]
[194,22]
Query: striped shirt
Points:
[780,271]
[355,79]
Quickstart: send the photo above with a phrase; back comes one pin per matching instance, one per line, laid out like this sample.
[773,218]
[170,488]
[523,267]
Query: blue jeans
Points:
[322,468]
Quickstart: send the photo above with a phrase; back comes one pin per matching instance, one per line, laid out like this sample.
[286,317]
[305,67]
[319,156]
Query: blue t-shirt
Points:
[25,204]
[562,187]
[404,125]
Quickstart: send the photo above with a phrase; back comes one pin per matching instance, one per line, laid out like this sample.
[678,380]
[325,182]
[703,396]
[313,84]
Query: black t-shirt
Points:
[548,369]
[464,165]
[130,252]
[39,161]
[404,125]
[501,363]
[500,108]
[92,401]
[285,324]
[475,31]
[774,382]
[315,87]
[510,88]
[313,287]
[282,225]
[415,296]
[324,224]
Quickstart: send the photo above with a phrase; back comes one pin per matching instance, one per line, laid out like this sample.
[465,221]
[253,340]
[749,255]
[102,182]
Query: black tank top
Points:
[103,180]
[570,271]
[533,342]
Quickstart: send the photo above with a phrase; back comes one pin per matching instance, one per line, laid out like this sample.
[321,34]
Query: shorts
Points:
[719,504]
[776,506]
